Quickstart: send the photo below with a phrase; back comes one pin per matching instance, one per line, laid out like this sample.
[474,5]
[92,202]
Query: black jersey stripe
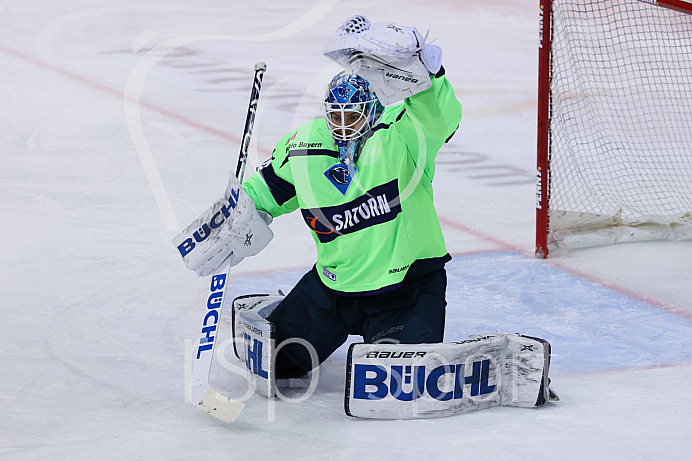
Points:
[281,190]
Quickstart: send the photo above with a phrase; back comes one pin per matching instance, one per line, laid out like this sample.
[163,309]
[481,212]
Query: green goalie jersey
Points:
[384,225]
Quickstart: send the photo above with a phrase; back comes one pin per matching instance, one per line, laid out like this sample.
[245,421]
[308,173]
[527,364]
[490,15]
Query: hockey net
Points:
[615,122]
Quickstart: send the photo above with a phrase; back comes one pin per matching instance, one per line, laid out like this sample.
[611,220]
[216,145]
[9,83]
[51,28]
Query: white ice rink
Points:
[119,123]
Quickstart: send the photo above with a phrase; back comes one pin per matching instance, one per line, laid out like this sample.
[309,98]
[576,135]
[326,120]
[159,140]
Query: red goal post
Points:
[614,147]
[677,5]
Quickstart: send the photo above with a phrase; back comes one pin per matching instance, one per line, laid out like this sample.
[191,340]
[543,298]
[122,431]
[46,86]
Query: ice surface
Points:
[119,124]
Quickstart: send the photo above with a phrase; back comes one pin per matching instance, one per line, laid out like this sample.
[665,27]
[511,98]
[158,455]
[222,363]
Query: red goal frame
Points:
[544,105]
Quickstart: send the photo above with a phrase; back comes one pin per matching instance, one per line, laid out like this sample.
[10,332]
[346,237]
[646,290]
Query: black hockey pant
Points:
[413,313]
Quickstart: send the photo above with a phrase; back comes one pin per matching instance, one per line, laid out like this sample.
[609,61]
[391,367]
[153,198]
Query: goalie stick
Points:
[201,393]
[260,69]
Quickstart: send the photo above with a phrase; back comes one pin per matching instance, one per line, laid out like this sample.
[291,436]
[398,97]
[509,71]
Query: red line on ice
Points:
[119,94]
[508,247]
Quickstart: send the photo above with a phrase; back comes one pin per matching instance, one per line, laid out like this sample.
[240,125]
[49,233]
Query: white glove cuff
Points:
[431,55]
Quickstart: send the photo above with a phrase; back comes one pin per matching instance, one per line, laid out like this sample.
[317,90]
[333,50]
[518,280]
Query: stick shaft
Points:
[260,68]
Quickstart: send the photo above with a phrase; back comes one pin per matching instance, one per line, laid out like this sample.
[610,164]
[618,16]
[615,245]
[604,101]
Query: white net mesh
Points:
[621,116]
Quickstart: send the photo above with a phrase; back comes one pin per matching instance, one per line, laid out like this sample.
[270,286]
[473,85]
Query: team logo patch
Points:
[340,176]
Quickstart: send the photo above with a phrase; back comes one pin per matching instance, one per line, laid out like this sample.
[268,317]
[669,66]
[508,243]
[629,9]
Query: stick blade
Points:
[219,406]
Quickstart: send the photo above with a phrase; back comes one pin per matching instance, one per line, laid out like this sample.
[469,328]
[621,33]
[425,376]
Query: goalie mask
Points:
[351,108]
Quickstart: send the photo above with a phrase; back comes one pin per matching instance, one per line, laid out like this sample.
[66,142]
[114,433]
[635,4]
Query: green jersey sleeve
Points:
[428,120]
[272,187]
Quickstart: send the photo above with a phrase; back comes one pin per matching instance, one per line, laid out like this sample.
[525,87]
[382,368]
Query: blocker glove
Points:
[226,233]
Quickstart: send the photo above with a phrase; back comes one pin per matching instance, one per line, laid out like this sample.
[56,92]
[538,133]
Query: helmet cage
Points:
[344,125]
[350,94]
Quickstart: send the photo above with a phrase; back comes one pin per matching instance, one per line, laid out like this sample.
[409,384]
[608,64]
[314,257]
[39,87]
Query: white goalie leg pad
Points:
[525,375]
[254,340]
[408,381]
[262,304]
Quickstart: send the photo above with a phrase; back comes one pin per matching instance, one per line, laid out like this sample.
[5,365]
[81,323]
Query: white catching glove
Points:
[394,59]
[224,234]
